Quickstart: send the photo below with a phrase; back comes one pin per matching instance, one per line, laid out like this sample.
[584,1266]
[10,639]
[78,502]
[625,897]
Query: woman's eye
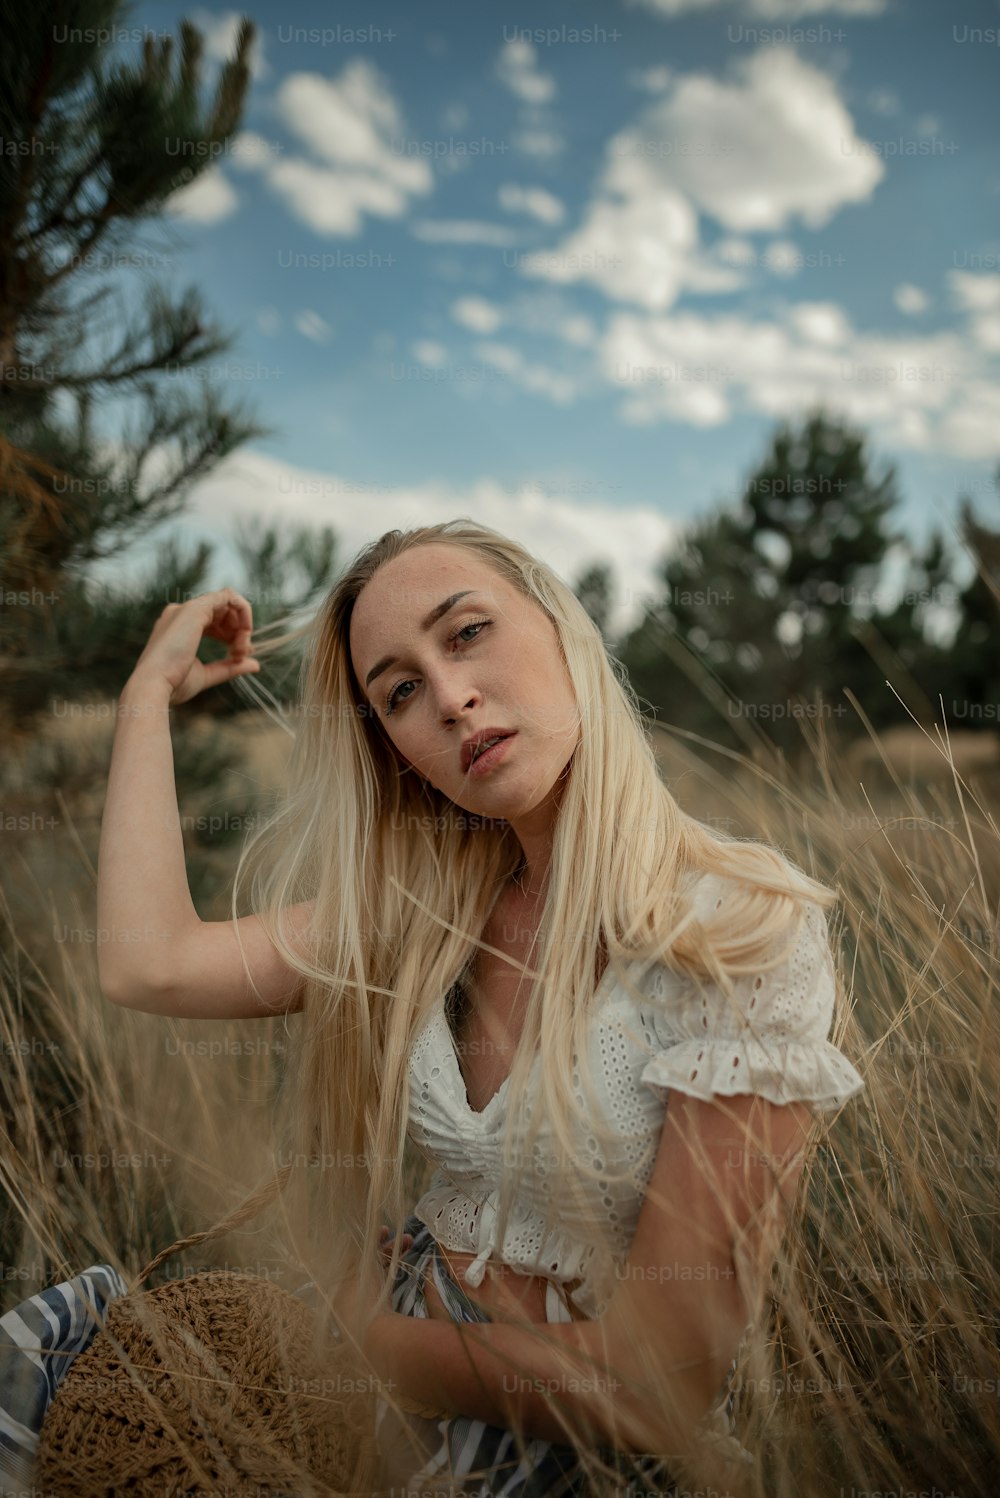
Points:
[392,700]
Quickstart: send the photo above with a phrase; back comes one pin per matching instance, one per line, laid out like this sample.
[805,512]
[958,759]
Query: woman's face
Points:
[434,681]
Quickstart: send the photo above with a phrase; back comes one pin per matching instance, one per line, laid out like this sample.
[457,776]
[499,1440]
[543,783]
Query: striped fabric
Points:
[38,1341]
[461,1457]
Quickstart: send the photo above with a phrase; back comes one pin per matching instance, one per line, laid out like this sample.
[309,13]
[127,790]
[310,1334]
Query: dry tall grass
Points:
[877,1369]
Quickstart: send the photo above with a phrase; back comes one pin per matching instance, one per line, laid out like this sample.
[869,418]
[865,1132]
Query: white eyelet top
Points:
[678,1037]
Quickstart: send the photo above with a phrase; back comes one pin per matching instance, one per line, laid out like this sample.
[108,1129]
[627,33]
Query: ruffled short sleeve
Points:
[770,1037]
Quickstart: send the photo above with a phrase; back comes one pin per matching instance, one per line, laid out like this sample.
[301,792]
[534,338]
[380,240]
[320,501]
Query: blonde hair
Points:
[404,880]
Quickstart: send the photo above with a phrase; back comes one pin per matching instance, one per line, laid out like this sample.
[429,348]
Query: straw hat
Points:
[216,1382]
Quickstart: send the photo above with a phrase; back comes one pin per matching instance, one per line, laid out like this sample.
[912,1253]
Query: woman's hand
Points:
[171,653]
[383,1242]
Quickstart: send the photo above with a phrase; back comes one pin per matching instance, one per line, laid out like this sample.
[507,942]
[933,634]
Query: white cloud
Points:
[353,122]
[970,427]
[517,67]
[774,144]
[931,392]
[979,297]
[543,205]
[311,325]
[251,152]
[462,231]
[578,329]
[755,152]
[536,378]
[567,531]
[652,80]
[333,202]
[634,249]
[910,299]
[353,126]
[426,351]
[975,293]
[986,331]
[768,10]
[783,257]
[207,200]
[734,251]
[822,323]
[884,101]
[477,314]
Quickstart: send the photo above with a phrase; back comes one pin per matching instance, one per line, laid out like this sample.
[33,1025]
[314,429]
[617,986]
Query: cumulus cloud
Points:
[536,378]
[975,293]
[477,314]
[979,297]
[651,80]
[783,257]
[427,351]
[768,10]
[635,249]
[910,299]
[579,329]
[566,523]
[312,326]
[207,200]
[536,201]
[363,163]
[926,392]
[771,144]
[251,152]
[462,231]
[517,67]
[884,101]
[823,323]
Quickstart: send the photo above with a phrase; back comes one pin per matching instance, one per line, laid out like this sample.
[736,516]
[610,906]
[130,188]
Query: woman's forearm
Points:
[143,897]
[563,1384]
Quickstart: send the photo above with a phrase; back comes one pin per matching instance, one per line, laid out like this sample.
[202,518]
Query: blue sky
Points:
[562,267]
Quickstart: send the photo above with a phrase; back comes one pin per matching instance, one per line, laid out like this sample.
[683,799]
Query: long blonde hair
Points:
[404,880]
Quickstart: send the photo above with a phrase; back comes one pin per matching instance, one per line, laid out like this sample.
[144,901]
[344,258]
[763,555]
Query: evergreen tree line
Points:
[768,611]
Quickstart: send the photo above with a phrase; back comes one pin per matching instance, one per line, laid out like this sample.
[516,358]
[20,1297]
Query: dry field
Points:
[877,1366]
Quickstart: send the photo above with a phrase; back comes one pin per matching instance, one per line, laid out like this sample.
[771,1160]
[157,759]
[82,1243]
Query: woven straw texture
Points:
[217,1382]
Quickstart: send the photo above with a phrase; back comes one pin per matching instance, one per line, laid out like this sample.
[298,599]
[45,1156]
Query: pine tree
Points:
[93,146]
[972,692]
[593,589]
[756,628]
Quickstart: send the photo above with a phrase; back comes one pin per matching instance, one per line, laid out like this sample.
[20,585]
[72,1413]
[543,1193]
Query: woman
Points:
[604,1023]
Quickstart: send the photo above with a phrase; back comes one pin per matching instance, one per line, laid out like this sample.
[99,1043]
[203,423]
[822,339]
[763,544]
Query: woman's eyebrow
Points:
[436,613]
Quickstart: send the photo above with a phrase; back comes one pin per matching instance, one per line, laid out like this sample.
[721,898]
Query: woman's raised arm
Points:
[154,951]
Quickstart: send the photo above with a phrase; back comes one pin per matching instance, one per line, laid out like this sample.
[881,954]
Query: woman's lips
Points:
[484,762]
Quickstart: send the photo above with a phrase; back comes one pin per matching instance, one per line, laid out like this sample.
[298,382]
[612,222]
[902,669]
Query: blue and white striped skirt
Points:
[39,1338]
